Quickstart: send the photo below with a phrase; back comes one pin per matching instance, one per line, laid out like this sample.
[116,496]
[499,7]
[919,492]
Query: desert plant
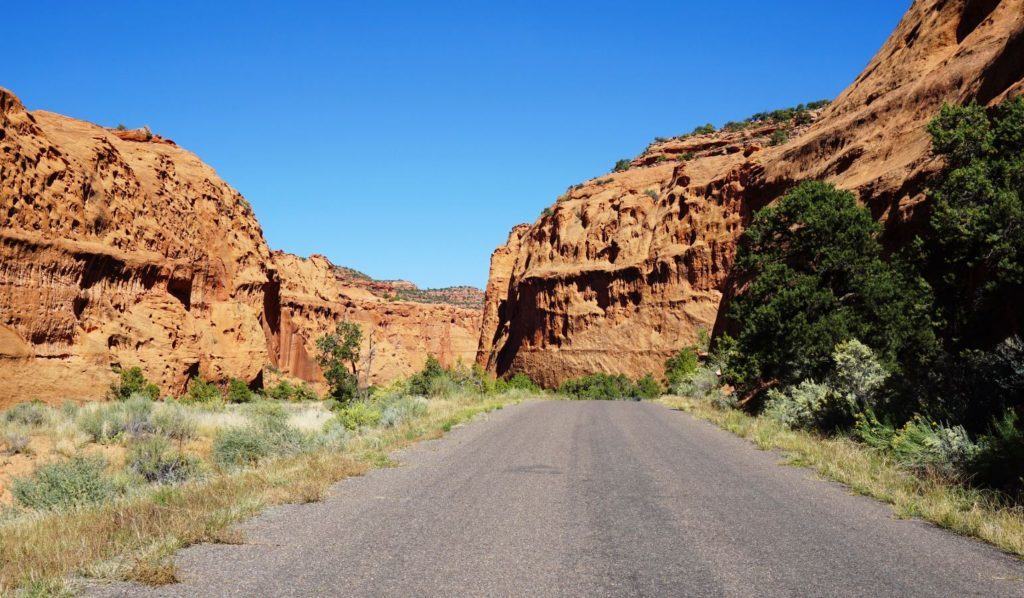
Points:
[15,438]
[681,366]
[999,461]
[155,460]
[648,388]
[28,414]
[358,414]
[131,382]
[779,137]
[77,481]
[808,405]
[400,410]
[201,391]
[857,374]
[600,386]
[242,446]
[104,423]
[174,422]
[238,391]
[704,129]
[338,356]
[622,165]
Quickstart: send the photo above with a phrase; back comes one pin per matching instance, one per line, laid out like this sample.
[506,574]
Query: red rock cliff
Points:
[118,248]
[626,268]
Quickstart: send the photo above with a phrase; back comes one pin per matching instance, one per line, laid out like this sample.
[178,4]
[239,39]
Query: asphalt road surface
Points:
[590,499]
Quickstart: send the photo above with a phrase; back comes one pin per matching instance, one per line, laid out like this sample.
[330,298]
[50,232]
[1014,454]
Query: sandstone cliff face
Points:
[315,294]
[626,268]
[118,248]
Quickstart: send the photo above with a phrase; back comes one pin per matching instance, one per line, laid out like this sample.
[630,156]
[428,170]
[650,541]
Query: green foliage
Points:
[239,447]
[339,359]
[857,375]
[681,366]
[687,156]
[704,129]
[286,391]
[398,410]
[32,414]
[15,438]
[605,387]
[623,165]
[201,391]
[155,460]
[648,388]
[359,414]
[64,484]
[238,391]
[999,461]
[817,278]
[779,137]
[975,242]
[105,423]
[807,405]
[546,212]
[521,381]
[173,421]
[734,126]
[422,382]
[131,382]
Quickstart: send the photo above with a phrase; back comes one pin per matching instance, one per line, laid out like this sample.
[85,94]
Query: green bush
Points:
[155,460]
[358,414]
[600,387]
[63,484]
[704,129]
[421,382]
[999,461]
[201,391]
[779,137]
[239,447]
[338,356]
[174,422]
[521,381]
[931,448]
[817,278]
[32,414]
[132,382]
[808,405]
[623,165]
[397,411]
[131,417]
[681,366]
[857,375]
[238,391]
[648,388]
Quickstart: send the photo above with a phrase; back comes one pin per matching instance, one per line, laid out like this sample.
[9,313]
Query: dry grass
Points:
[971,512]
[136,537]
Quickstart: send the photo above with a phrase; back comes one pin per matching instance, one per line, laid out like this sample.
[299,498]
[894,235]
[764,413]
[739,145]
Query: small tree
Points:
[132,381]
[623,165]
[680,366]
[338,356]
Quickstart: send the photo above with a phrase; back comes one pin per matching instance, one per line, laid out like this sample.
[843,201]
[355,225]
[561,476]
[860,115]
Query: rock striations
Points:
[625,269]
[118,248]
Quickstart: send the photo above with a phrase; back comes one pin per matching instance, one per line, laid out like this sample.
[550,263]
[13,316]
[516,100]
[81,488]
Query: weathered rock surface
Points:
[628,267]
[118,248]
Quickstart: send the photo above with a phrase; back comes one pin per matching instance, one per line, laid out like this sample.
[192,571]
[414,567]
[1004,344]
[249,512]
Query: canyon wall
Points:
[120,249]
[627,268]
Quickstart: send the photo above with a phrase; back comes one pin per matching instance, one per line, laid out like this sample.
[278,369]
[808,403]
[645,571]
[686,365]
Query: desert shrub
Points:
[174,421]
[201,391]
[687,156]
[131,382]
[106,422]
[818,278]
[238,391]
[15,438]
[734,126]
[779,137]
[928,447]
[62,484]
[681,366]
[622,165]
[999,461]
[282,391]
[521,381]
[857,374]
[242,446]
[400,410]
[648,388]
[305,392]
[420,382]
[334,436]
[28,414]
[358,414]
[704,129]
[155,460]
[600,387]
[808,405]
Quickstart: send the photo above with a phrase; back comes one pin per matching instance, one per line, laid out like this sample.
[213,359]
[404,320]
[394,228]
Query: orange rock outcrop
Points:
[626,268]
[118,248]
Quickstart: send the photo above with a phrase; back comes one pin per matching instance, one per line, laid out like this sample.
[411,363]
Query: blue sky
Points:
[405,138]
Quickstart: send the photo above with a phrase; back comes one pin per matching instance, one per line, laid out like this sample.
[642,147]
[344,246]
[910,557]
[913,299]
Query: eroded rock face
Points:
[118,248]
[315,294]
[628,267]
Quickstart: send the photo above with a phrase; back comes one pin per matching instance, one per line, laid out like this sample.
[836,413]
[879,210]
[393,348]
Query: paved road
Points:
[591,499]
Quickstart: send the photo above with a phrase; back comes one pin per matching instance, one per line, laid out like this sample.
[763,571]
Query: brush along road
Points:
[590,499]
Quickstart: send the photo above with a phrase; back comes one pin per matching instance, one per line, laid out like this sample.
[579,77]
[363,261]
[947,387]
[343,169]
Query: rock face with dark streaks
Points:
[625,269]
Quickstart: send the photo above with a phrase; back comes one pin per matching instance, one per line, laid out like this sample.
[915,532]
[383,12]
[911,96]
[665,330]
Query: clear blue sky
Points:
[405,138]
